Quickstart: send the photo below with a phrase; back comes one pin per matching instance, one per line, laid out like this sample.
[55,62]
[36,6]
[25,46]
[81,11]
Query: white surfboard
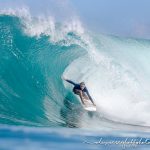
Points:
[88,105]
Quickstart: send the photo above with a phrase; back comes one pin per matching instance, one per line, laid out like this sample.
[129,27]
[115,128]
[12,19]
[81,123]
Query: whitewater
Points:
[36,51]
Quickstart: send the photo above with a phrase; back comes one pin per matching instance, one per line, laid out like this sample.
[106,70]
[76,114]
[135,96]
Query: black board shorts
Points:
[76,91]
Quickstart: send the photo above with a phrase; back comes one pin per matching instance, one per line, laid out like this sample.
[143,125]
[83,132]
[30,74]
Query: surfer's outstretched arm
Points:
[69,81]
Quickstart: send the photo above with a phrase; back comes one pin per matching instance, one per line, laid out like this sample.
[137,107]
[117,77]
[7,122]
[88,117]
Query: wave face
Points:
[37,51]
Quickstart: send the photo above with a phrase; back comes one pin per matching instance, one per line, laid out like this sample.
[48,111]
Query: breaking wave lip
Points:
[47,25]
[101,58]
[68,32]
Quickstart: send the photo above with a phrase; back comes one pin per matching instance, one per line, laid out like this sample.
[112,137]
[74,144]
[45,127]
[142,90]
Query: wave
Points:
[37,51]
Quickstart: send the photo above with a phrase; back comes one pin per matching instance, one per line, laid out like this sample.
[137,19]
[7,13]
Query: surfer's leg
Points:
[81,96]
[85,95]
[80,93]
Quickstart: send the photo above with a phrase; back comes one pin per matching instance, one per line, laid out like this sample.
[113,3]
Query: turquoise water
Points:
[36,52]
[31,72]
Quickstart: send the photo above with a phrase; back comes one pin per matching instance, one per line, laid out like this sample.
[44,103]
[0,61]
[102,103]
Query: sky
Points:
[117,17]
[129,18]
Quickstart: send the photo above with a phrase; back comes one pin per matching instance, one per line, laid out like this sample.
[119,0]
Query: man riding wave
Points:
[81,90]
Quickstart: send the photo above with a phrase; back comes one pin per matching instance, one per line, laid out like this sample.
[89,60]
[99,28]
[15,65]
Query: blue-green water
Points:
[35,53]
[66,138]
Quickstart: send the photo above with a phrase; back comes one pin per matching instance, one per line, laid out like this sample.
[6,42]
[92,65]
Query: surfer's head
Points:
[82,85]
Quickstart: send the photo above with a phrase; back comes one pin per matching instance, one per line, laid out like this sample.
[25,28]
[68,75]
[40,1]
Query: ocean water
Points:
[39,111]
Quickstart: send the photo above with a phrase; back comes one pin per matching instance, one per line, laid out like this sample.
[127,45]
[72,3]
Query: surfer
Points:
[81,90]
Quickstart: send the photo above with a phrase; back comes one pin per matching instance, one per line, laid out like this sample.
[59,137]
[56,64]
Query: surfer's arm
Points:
[87,92]
[70,81]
